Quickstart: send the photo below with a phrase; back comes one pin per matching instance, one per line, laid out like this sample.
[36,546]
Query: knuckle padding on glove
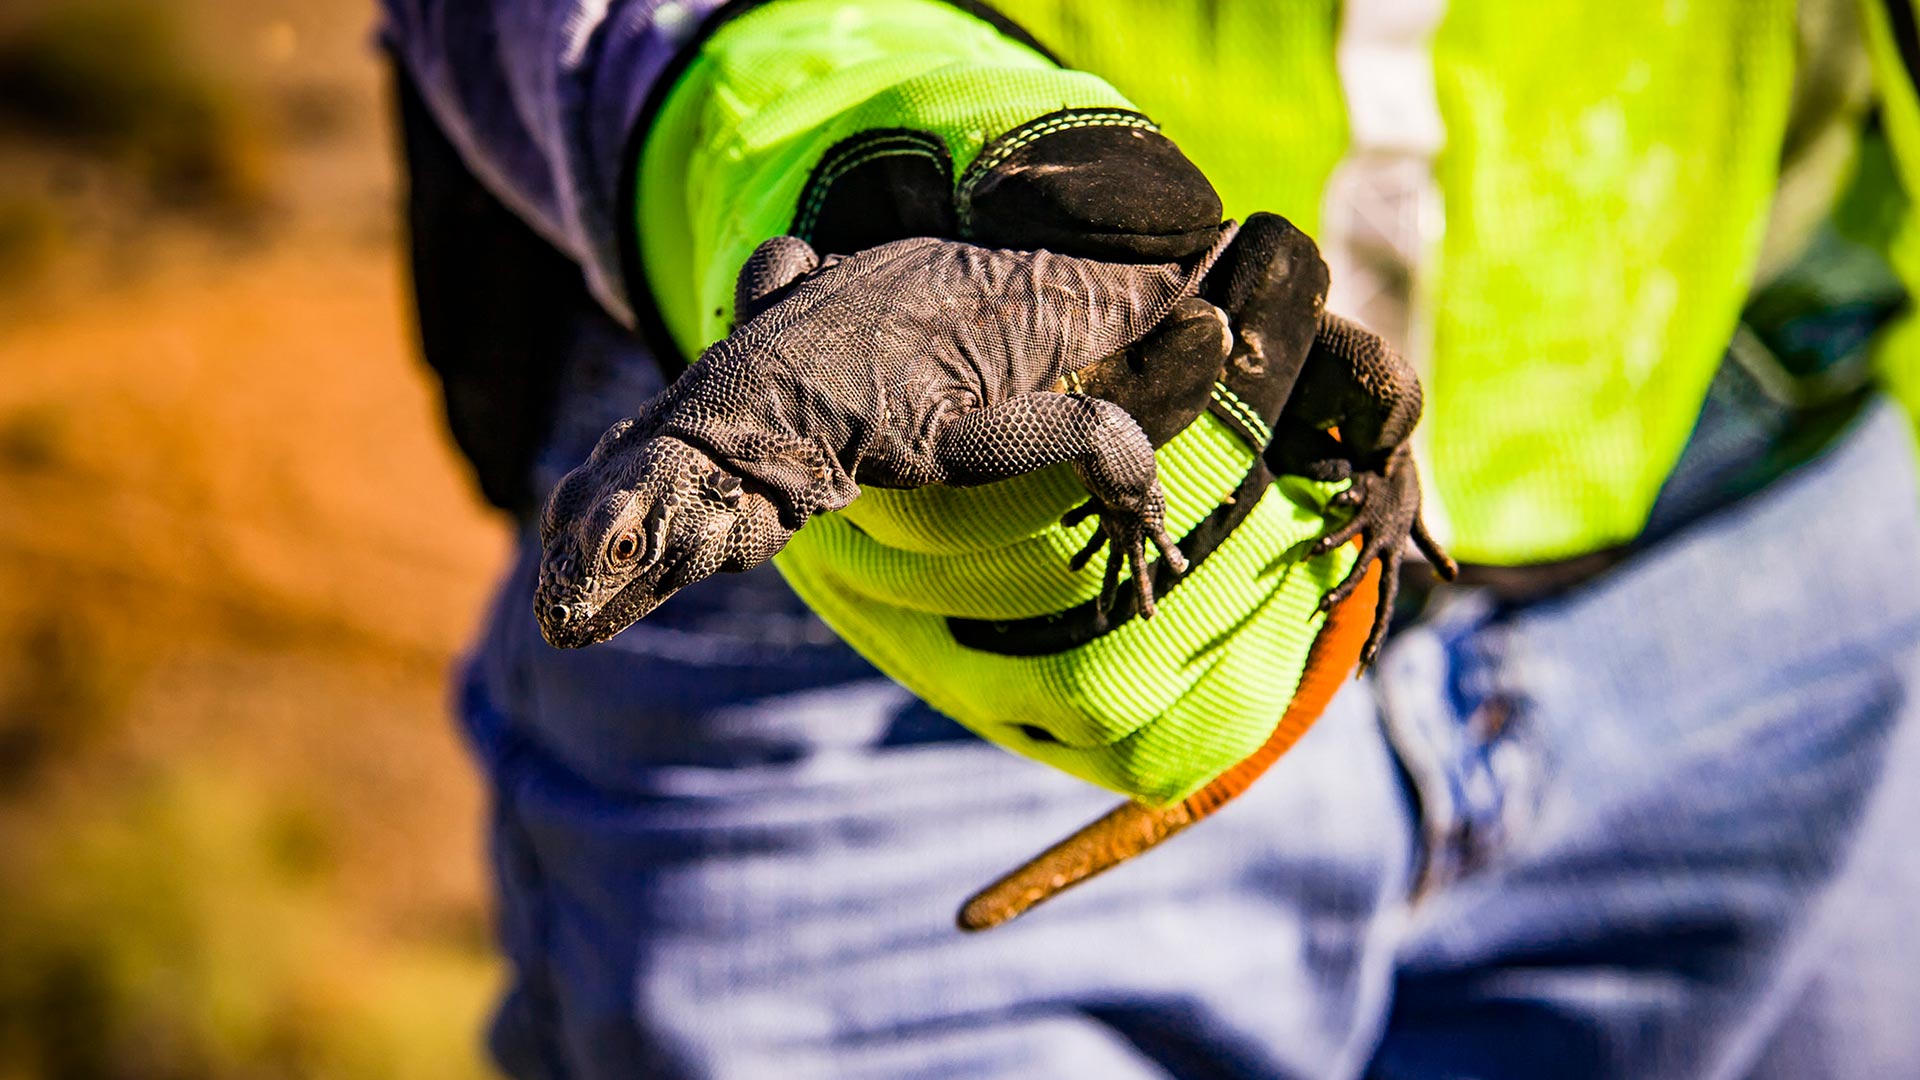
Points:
[1273,284]
[1165,379]
[878,186]
[1100,186]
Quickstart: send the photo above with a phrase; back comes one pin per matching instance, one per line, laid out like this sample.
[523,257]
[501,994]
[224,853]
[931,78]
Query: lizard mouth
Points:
[574,623]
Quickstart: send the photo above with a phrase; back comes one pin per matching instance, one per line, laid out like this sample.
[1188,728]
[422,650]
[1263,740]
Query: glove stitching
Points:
[1046,126]
[1007,145]
[851,157]
[1241,416]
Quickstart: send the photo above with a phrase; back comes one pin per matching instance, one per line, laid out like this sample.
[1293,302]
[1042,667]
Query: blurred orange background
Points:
[238,836]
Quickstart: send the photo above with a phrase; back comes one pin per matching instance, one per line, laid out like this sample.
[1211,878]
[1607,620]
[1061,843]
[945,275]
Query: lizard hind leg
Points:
[1109,451]
[1355,383]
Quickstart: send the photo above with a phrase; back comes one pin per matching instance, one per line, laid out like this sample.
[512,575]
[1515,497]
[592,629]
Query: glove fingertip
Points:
[1121,192]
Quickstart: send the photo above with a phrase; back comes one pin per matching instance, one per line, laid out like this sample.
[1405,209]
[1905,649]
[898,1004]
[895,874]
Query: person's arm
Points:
[541,99]
[853,122]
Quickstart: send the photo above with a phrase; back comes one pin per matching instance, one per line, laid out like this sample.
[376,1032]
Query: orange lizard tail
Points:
[1130,828]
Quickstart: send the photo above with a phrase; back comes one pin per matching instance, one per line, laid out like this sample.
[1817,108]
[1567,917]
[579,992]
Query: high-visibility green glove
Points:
[853,122]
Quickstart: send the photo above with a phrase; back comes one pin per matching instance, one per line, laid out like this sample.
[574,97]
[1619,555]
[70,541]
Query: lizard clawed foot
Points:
[1125,534]
[1385,507]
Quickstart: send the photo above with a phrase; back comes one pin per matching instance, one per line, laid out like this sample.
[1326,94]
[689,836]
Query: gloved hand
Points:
[854,122]
[849,123]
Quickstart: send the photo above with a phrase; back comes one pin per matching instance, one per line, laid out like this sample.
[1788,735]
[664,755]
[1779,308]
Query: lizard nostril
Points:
[558,613]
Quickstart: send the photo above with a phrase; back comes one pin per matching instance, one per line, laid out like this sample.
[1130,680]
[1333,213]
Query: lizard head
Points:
[642,518]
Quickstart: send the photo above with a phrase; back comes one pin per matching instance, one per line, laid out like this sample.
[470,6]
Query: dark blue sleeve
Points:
[540,98]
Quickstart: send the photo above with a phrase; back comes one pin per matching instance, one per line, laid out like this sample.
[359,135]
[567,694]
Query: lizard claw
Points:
[1386,514]
[1125,534]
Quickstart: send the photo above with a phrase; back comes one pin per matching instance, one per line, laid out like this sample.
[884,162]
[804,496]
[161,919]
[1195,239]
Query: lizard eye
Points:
[625,547]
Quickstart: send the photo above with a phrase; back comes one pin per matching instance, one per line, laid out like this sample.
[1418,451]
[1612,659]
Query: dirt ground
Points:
[238,557]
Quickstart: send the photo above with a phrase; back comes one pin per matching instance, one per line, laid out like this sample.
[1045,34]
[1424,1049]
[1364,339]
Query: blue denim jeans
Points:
[1658,826]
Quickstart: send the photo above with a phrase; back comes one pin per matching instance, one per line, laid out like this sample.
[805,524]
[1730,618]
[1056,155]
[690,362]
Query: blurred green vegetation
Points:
[180,927]
[173,920]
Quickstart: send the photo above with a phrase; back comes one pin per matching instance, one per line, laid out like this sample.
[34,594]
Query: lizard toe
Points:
[1086,553]
[1382,609]
[1142,575]
[1340,534]
[1080,513]
[1443,565]
[1170,551]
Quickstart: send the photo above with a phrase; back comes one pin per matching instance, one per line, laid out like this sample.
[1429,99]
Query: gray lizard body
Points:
[857,372]
[911,409]
[928,361]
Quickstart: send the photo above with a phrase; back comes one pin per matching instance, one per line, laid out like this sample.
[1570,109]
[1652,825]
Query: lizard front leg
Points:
[1110,453]
[1354,382]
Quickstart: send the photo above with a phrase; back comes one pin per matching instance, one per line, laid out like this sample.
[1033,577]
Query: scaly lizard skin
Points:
[933,362]
[913,363]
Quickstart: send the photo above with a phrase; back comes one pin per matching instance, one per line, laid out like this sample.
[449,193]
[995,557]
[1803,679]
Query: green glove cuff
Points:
[772,92]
